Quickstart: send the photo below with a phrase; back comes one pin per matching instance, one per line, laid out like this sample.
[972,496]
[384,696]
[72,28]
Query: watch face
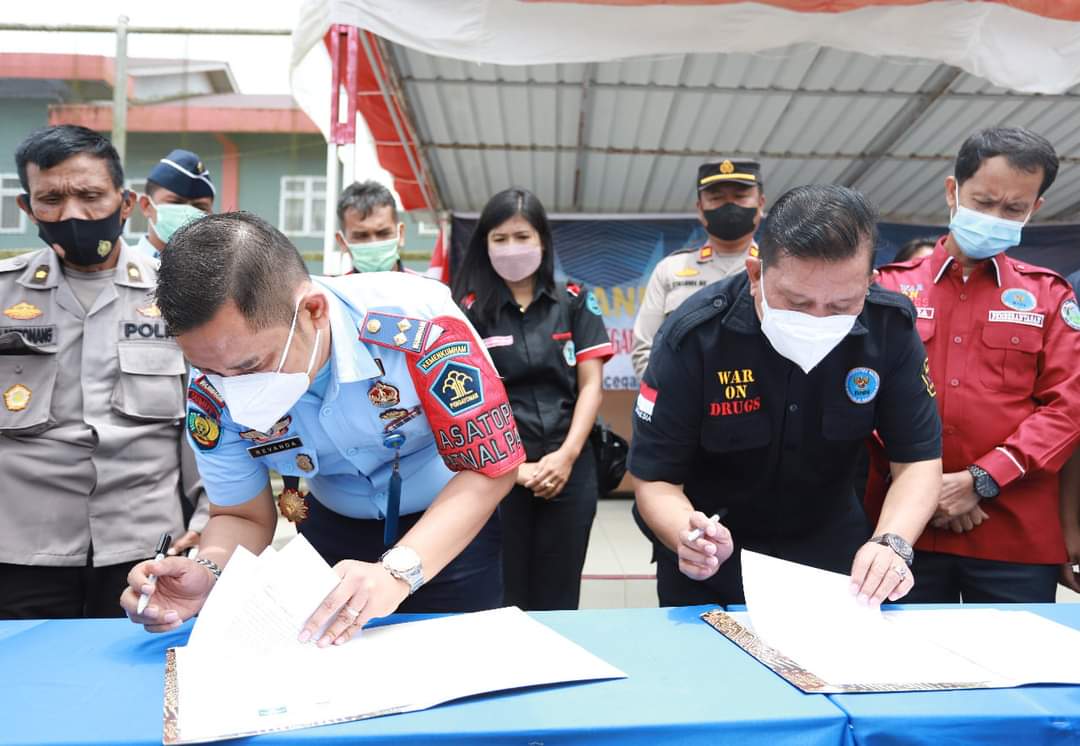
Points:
[898,545]
[402,559]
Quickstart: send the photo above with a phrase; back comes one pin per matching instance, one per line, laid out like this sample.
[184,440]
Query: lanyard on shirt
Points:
[393,498]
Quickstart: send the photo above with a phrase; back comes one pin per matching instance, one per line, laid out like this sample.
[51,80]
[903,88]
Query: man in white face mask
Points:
[759,394]
[374,389]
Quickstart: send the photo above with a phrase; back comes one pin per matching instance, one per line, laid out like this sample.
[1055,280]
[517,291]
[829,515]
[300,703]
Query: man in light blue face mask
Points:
[1003,338]
[178,191]
[370,235]
[760,391]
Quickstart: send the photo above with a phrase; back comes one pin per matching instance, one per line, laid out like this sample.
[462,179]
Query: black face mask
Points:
[85,242]
[730,221]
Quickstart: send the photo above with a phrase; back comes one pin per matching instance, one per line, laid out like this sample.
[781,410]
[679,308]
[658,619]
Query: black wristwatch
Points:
[896,543]
[985,486]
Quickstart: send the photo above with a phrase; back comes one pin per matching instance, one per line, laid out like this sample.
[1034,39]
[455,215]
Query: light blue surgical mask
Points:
[171,218]
[981,236]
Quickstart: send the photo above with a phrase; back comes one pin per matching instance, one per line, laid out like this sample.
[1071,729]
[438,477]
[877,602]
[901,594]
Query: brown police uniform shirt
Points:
[676,278]
[91,403]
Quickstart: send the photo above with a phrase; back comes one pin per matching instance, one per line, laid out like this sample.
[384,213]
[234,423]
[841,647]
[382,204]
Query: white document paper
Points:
[809,616]
[244,672]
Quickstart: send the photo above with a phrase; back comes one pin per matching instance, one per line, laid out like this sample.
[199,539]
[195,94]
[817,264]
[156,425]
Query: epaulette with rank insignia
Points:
[882,297]
[402,333]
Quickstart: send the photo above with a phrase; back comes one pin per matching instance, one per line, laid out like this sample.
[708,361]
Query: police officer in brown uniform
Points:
[92,388]
[730,203]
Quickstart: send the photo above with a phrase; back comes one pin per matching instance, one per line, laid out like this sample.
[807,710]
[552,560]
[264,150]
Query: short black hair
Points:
[1022,148]
[908,250]
[477,276]
[819,221]
[51,146]
[231,256]
[151,188]
[365,196]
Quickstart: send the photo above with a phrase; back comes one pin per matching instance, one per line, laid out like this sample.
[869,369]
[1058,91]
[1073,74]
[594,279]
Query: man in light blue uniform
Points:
[374,388]
[178,191]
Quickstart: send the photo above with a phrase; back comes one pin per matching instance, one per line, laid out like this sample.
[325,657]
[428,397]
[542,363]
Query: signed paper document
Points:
[805,625]
[244,672]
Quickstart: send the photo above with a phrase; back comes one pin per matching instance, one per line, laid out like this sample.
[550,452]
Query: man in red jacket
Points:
[1003,339]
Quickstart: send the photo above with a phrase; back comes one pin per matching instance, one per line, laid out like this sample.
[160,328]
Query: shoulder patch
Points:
[402,333]
[205,429]
[205,390]
[1070,314]
[879,296]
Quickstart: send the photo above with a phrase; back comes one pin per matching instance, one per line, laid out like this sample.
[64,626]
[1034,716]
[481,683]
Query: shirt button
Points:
[326,411]
[353,451]
[958,340]
[18,369]
[1015,340]
[793,407]
[954,382]
[963,296]
[718,303]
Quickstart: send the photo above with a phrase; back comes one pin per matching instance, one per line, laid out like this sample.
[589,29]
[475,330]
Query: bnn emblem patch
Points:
[459,388]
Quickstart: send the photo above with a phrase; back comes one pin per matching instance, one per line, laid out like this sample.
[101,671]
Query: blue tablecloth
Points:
[1027,716]
[100,681]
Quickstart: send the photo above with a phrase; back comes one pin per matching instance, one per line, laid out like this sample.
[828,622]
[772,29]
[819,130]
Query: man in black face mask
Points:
[730,205]
[91,391]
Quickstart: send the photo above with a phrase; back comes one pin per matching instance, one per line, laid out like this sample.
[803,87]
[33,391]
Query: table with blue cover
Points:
[1027,716]
[101,682]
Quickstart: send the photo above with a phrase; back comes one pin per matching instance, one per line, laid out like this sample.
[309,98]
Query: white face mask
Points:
[258,400]
[803,339]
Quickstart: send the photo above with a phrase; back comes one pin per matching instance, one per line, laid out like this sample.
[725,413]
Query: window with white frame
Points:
[136,226]
[12,219]
[302,209]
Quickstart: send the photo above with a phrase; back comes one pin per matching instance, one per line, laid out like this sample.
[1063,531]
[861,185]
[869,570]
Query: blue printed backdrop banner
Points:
[615,256]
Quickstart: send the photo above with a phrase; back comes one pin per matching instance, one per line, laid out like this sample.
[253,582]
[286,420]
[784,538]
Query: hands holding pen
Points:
[165,591]
[704,546]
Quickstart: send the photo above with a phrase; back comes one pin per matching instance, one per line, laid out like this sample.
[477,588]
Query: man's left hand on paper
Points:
[366,591]
[878,573]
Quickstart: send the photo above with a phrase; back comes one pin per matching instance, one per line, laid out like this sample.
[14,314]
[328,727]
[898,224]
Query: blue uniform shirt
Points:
[338,435]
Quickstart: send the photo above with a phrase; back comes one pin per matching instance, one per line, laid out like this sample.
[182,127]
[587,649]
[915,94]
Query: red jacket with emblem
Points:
[1003,351]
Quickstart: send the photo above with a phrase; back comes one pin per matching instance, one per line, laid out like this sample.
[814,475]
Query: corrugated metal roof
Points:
[627,137]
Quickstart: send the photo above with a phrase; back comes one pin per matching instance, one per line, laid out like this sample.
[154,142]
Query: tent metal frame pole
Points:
[398,128]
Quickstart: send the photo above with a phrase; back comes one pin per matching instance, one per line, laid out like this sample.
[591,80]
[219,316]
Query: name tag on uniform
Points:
[925,312]
[144,330]
[1018,317]
[278,447]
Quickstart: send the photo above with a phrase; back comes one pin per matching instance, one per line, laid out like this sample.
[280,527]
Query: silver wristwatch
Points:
[404,564]
[898,544]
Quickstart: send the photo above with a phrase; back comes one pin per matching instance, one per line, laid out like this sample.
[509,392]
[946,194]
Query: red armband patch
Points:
[465,402]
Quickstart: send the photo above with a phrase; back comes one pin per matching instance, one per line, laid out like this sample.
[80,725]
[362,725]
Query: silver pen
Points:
[162,549]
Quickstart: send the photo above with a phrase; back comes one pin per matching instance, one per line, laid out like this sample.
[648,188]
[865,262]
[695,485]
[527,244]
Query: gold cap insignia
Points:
[727,167]
[199,168]
[23,311]
[17,398]
[374,326]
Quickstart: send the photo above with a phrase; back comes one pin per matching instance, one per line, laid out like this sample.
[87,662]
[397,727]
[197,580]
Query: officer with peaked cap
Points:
[178,190]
